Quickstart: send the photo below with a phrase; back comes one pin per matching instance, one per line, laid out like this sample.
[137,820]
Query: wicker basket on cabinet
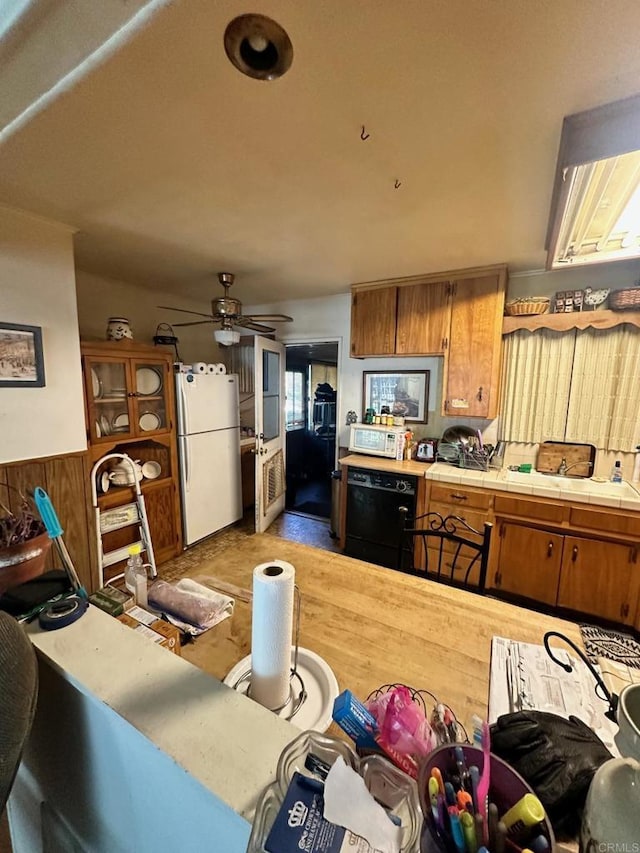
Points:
[625,300]
[529,305]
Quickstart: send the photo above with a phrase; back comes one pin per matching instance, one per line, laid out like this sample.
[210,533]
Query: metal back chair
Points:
[446,549]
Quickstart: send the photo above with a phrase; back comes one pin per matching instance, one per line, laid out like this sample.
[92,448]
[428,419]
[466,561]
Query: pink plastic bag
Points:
[402,723]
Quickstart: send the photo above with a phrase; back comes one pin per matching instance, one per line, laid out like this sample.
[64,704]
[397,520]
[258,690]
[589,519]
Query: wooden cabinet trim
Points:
[428,278]
[605,522]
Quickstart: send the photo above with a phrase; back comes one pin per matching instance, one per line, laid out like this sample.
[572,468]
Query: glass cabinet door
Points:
[150,400]
[108,399]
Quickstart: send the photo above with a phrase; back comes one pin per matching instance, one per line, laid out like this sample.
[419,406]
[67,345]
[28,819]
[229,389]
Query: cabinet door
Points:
[149,380]
[162,512]
[373,322]
[475,338]
[599,578]
[423,319]
[108,393]
[529,562]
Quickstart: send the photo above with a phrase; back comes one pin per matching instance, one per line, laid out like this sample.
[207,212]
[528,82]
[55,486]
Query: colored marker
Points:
[469,832]
[456,829]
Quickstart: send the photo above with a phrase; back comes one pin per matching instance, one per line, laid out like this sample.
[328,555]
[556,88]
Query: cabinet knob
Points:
[549,550]
[456,497]
[574,553]
[479,394]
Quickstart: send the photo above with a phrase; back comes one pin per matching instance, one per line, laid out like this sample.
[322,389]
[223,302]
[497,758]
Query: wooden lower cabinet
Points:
[160,502]
[599,578]
[529,562]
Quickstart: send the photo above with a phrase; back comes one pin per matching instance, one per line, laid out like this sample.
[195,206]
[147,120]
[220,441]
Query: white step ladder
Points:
[118,517]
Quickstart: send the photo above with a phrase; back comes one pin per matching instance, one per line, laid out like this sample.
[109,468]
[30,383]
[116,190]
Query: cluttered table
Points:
[374,626]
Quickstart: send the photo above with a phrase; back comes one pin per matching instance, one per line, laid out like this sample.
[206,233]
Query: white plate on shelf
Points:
[149,421]
[105,426]
[105,482]
[96,385]
[320,684]
[98,430]
[148,381]
[120,421]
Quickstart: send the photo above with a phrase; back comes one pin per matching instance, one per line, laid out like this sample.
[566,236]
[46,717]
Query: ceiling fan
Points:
[228,312]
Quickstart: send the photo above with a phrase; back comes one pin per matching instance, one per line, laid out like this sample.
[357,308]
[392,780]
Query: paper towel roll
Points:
[199,367]
[212,368]
[221,368]
[271,624]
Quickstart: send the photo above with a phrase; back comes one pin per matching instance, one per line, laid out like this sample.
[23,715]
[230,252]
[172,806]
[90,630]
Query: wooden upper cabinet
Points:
[423,319]
[373,321]
[472,370]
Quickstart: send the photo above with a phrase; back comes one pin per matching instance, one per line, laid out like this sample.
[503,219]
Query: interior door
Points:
[270,431]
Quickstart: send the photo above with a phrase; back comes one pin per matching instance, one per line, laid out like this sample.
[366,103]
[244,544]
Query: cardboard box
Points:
[156,630]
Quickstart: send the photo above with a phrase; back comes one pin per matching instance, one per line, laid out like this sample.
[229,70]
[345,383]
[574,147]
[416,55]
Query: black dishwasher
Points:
[374,521]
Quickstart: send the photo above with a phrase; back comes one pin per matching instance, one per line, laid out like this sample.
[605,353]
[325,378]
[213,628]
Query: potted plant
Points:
[24,544]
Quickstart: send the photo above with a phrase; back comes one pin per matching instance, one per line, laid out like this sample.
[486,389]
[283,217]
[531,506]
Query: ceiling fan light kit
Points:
[226,337]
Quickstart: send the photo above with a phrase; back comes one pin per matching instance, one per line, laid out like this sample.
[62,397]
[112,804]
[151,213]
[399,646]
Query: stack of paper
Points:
[523,677]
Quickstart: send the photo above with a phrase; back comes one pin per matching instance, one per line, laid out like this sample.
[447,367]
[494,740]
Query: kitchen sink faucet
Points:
[563,467]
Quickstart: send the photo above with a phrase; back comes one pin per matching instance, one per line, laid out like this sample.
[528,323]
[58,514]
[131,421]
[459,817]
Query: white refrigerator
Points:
[209,450]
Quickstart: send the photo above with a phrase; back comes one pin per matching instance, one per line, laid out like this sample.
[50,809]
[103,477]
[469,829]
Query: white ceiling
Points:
[173,165]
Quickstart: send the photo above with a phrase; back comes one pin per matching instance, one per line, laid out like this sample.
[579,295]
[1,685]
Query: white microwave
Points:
[377,440]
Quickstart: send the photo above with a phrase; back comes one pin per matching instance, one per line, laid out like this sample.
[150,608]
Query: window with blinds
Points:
[577,386]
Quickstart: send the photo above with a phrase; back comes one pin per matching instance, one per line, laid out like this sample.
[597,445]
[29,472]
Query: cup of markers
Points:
[510,820]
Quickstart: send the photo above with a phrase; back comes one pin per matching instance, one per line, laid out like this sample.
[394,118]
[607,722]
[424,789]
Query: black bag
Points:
[21,599]
[557,757]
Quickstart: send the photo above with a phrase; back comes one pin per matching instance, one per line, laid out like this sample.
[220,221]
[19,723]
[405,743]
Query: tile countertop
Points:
[577,490]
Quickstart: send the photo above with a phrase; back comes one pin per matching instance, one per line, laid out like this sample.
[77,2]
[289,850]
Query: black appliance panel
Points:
[374,522]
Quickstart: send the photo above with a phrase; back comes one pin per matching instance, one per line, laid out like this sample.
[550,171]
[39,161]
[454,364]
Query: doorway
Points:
[311,381]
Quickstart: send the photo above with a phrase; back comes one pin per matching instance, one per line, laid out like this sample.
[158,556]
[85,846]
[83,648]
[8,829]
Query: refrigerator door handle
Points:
[183,410]
[186,468]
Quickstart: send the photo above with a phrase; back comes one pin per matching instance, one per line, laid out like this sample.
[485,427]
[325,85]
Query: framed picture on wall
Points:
[21,358]
[405,392]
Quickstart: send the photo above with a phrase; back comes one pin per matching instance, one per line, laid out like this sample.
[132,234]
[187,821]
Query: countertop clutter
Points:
[579,490]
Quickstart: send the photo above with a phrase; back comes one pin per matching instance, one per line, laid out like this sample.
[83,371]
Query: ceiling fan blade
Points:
[194,323]
[185,311]
[247,323]
[271,318]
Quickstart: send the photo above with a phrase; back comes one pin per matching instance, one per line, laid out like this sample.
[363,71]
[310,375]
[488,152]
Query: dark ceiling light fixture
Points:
[258,47]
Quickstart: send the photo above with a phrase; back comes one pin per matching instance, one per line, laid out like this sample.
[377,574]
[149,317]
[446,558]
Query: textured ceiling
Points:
[173,165]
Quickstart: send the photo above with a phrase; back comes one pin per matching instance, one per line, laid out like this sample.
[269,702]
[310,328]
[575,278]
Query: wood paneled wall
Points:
[66,481]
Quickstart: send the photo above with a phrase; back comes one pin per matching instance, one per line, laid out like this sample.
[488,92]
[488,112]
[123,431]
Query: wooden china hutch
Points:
[130,408]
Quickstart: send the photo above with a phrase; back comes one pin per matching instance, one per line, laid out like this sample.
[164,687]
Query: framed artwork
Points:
[405,392]
[21,359]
